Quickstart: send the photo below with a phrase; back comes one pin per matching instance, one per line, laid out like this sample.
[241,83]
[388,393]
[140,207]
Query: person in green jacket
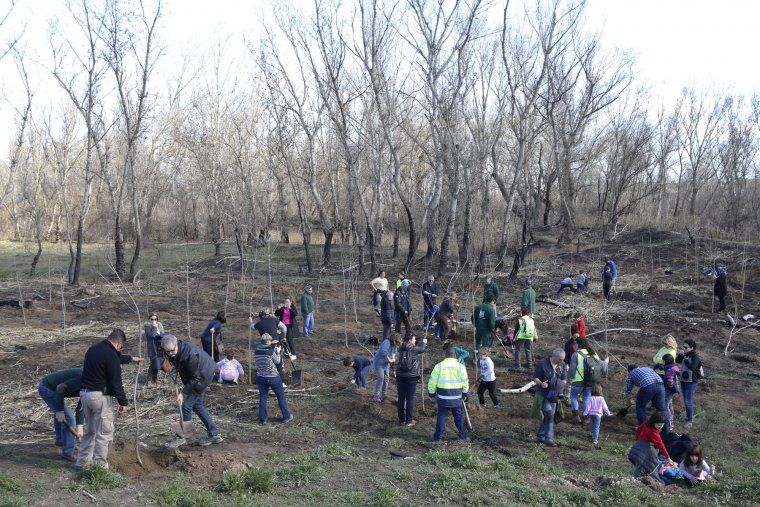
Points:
[484,318]
[307,310]
[669,346]
[529,298]
[490,289]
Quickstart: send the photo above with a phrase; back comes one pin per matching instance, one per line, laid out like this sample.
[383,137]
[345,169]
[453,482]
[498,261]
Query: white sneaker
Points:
[292,357]
[284,385]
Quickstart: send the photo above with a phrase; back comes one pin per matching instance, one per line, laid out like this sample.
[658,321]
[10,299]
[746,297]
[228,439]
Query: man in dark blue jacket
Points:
[54,388]
[196,369]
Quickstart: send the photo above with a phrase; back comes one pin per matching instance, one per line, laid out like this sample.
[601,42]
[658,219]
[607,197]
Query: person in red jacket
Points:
[649,431]
[580,325]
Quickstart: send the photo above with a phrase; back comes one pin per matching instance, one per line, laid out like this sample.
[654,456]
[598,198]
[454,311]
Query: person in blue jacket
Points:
[216,326]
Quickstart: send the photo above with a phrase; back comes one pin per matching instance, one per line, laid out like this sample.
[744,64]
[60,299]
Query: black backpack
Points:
[405,362]
[592,370]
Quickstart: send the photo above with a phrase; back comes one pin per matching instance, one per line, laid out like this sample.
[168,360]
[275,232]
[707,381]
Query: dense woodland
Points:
[443,130]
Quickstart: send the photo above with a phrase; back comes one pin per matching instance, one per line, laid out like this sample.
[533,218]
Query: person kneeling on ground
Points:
[449,384]
[649,431]
[229,369]
[196,369]
[694,468]
[550,377]
[361,366]
[407,375]
[54,388]
[566,283]
[267,357]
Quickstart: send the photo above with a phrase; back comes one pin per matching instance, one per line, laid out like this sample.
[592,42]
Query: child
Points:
[596,409]
[361,366]
[489,378]
[672,384]
[694,468]
[462,353]
[229,369]
[649,431]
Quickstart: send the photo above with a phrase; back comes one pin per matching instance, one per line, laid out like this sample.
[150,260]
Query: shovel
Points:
[624,411]
[295,375]
[467,421]
[182,428]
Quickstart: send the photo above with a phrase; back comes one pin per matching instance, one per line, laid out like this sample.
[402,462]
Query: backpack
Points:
[677,444]
[672,379]
[592,370]
[405,362]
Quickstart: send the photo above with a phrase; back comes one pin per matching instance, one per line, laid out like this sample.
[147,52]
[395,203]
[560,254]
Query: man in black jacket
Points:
[408,373]
[196,369]
[403,308]
[429,295]
[101,383]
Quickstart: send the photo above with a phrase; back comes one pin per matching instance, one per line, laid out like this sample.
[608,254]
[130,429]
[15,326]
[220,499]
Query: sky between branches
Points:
[705,44]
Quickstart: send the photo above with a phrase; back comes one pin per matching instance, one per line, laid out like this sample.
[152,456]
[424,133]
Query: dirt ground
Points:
[344,449]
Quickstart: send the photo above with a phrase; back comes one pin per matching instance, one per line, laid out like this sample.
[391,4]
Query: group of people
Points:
[573,374]
[98,383]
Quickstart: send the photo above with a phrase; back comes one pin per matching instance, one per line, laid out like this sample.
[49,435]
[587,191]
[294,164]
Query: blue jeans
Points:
[546,430]
[194,403]
[308,323]
[596,423]
[360,377]
[656,394]
[456,408]
[427,314]
[63,436]
[381,381]
[407,388]
[275,383]
[689,388]
[579,389]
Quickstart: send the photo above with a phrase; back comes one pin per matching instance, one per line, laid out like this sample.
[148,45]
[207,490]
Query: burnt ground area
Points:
[342,448]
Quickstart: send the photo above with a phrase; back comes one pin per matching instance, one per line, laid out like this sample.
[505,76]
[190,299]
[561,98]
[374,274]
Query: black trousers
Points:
[491,387]
[403,317]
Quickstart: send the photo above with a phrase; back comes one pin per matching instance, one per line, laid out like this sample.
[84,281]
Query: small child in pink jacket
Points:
[596,409]
[229,369]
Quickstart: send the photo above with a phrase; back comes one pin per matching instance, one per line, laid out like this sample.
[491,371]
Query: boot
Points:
[152,376]
[576,417]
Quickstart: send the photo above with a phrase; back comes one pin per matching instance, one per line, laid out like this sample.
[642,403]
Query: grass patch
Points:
[403,476]
[251,481]
[14,502]
[453,458]
[385,495]
[627,494]
[95,478]
[335,450]
[9,484]
[302,472]
[178,493]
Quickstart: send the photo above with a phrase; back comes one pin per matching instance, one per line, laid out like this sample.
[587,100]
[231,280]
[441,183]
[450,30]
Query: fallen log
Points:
[519,389]
[554,303]
[614,330]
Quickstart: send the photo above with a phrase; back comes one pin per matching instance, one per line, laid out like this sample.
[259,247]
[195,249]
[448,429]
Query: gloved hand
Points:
[431,395]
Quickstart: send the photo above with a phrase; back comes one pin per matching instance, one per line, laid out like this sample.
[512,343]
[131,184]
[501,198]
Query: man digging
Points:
[196,369]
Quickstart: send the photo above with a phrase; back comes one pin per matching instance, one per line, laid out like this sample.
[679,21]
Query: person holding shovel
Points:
[211,337]
[54,388]
[196,370]
[450,385]
[267,357]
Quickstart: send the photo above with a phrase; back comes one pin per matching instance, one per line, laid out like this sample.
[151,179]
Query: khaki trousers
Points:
[98,428]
